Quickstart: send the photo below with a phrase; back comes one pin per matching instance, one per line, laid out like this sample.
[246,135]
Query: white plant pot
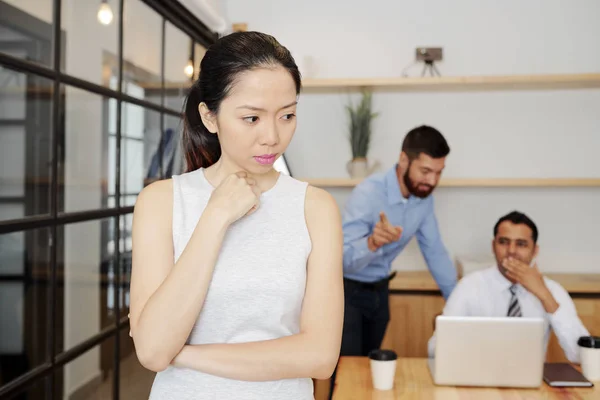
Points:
[359,168]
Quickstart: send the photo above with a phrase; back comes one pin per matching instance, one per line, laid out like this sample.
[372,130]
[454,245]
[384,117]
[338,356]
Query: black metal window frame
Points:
[179,16]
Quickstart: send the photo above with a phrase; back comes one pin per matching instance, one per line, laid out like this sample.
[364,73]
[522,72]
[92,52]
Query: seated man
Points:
[516,288]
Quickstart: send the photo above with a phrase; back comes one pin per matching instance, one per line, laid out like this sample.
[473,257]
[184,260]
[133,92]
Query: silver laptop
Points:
[486,351]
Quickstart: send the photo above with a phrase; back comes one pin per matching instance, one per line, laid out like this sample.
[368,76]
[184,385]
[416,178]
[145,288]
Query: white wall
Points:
[355,38]
[492,134]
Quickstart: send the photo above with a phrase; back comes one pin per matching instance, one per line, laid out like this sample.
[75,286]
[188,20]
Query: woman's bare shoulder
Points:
[156,199]
[320,207]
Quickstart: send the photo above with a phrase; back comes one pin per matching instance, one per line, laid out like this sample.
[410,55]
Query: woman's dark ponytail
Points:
[201,147]
[223,62]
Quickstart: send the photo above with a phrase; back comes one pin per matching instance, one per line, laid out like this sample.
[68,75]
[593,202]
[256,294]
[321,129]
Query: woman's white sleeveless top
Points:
[256,291]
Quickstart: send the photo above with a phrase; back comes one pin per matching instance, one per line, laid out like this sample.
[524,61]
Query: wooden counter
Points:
[410,281]
[413,381]
[415,301]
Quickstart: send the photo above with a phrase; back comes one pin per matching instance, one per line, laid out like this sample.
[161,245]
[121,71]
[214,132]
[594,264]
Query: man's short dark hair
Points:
[425,139]
[518,218]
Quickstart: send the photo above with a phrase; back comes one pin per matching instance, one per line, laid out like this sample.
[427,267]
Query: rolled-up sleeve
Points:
[438,260]
[358,225]
[566,323]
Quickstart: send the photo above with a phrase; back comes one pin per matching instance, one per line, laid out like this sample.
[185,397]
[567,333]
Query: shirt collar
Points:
[394,194]
[501,282]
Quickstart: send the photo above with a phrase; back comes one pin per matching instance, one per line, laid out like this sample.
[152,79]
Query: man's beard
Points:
[421,190]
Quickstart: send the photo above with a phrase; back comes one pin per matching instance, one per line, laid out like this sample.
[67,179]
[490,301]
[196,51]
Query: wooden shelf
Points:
[505,82]
[332,182]
[476,182]
[168,85]
[563,81]
[521,182]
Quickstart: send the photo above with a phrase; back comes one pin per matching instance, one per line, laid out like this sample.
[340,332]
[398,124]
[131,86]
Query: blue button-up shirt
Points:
[381,192]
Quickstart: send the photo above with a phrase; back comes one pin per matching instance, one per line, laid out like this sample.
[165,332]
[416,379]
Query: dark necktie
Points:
[514,309]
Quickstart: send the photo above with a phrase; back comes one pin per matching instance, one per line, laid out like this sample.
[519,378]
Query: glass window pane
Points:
[140,140]
[127,201]
[112,116]
[178,54]
[181,66]
[87,277]
[175,96]
[90,151]
[25,144]
[142,58]
[24,311]
[133,157]
[26,30]
[112,175]
[91,36]
[12,148]
[173,161]
[135,380]
[89,376]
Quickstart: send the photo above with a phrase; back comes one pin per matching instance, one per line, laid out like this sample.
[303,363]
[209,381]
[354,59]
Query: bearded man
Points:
[384,212]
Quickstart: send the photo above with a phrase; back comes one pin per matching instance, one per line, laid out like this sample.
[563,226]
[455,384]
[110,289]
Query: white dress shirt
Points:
[486,293]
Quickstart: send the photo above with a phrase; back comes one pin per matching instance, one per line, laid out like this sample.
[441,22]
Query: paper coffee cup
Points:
[383,368]
[589,352]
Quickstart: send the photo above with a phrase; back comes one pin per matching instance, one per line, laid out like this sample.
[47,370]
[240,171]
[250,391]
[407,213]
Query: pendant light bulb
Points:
[105,14]
[189,69]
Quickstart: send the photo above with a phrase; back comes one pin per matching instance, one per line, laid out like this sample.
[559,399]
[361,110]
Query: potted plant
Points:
[360,117]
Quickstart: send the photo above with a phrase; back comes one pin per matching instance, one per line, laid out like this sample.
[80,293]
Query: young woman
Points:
[236,288]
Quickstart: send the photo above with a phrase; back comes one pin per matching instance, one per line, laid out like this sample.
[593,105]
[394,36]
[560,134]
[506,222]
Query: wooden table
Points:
[413,381]
[415,300]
